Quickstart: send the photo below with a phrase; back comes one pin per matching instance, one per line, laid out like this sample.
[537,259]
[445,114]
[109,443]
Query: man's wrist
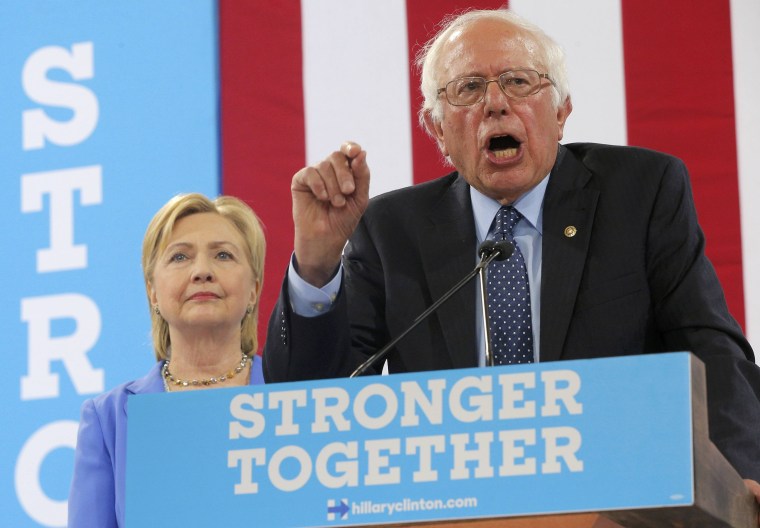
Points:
[308,300]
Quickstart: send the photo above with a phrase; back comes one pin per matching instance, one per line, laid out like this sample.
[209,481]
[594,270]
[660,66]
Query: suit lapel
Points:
[150,383]
[447,255]
[568,204]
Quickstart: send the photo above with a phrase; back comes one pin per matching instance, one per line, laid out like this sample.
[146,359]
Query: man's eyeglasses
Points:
[467,91]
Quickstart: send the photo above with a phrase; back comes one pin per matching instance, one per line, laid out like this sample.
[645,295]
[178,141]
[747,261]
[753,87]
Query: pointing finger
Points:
[350,149]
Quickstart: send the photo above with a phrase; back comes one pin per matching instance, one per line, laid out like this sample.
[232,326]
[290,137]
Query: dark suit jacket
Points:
[633,280]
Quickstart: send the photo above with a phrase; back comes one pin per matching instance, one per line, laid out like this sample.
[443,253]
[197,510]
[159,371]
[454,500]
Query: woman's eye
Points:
[224,255]
[178,257]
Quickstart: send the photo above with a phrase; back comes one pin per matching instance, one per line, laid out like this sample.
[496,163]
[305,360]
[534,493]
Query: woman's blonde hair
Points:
[156,239]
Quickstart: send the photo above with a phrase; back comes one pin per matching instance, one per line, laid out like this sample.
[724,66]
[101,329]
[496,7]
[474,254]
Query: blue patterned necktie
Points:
[509,298]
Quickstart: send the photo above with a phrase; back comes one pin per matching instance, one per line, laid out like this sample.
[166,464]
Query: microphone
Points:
[502,248]
[488,251]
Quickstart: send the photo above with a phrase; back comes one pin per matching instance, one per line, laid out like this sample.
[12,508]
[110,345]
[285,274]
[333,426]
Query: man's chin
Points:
[506,186]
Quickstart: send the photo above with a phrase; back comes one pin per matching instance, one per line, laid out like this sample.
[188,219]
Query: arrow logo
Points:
[337,509]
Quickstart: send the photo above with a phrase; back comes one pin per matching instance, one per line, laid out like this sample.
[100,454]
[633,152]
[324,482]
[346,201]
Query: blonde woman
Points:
[203,264]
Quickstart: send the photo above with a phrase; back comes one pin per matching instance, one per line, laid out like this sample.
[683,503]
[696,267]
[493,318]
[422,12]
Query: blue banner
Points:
[108,109]
[575,436]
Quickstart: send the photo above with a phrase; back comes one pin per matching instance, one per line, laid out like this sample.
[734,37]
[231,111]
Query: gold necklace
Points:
[170,380]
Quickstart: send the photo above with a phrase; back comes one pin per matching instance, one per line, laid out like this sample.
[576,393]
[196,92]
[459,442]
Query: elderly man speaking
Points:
[608,259]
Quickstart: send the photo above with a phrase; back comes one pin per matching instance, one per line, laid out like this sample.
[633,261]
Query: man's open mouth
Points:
[503,146]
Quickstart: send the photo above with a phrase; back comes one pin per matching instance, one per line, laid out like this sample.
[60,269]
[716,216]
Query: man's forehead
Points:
[489,27]
[471,48]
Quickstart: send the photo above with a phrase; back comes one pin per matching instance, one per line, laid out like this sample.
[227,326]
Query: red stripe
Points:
[263,142]
[422,21]
[680,98]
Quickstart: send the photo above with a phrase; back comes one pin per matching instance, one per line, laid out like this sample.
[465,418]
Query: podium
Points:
[599,443]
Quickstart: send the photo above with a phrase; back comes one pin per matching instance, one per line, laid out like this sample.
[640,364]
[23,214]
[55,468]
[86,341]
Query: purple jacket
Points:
[97,495]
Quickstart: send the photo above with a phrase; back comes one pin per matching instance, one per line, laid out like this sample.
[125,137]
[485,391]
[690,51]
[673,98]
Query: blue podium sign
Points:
[572,436]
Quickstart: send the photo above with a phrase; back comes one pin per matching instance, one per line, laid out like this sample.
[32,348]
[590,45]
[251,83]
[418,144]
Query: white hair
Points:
[428,59]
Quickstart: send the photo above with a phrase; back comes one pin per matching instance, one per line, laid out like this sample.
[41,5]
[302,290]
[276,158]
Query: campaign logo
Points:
[337,509]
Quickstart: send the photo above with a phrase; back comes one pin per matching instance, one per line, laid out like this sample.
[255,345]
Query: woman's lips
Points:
[204,296]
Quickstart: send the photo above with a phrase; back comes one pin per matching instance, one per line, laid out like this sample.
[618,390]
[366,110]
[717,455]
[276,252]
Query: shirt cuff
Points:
[307,300]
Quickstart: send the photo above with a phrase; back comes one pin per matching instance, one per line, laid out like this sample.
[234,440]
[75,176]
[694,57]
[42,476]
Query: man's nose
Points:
[495,101]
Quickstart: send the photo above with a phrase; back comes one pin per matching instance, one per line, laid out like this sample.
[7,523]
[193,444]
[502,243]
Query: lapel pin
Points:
[570,231]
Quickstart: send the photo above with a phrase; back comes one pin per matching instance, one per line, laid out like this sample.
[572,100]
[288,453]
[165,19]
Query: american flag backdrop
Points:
[299,78]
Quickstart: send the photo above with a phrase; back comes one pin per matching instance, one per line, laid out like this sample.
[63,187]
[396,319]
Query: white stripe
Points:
[591,33]
[745,17]
[356,84]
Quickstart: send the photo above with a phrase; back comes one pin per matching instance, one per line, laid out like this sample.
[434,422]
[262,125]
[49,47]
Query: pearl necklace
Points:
[170,379]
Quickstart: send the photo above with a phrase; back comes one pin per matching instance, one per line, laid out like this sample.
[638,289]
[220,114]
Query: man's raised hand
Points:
[329,198]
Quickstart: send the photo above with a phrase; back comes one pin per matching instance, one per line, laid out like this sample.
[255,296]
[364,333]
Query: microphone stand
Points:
[486,318]
[489,251]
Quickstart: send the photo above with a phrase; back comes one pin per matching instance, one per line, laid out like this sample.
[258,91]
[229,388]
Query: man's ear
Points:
[435,129]
[563,111]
